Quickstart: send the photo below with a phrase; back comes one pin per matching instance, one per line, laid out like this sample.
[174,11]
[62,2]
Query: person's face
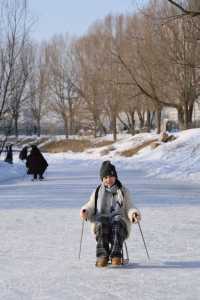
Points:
[109,181]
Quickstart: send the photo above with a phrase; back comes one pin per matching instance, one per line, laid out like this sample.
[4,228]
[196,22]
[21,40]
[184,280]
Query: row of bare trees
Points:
[14,60]
[126,68]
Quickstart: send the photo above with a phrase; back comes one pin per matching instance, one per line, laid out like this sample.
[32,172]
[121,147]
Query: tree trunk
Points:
[95,127]
[103,130]
[181,118]
[188,110]
[38,128]
[114,127]
[148,121]
[141,119]
[16,126]
[132,122]
[66,128]
[185,114]
[71,118]
[158,119]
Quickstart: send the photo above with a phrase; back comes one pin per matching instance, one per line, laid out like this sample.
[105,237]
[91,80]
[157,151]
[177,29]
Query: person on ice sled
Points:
[111,212]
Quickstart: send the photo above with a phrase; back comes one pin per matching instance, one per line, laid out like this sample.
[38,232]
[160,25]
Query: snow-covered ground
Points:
[40,227]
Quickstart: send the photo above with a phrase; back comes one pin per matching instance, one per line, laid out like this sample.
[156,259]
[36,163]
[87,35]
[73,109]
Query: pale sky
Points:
[72,16]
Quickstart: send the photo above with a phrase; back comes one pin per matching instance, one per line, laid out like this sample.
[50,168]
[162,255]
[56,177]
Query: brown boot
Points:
[116,261]
[102,262]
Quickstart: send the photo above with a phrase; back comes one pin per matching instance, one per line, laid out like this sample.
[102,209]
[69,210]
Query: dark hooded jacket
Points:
[36,163]
[9,154]
[23,153]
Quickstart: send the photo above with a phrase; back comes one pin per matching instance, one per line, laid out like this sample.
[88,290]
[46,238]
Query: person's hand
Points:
[136,217]
[83,214]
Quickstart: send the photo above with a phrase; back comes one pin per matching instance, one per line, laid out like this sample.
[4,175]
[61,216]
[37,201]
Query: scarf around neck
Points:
[110,201]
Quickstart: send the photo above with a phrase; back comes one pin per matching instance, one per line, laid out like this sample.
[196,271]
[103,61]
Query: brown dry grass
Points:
[72,145]
[102,144]
[66,145]
[135,150]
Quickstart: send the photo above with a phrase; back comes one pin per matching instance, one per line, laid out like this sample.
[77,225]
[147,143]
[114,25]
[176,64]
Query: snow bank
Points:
[178,159]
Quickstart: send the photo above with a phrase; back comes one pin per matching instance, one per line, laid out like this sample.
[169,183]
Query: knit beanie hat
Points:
[107,169]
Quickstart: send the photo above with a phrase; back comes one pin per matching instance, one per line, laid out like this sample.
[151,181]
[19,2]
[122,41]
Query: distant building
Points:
[170,114]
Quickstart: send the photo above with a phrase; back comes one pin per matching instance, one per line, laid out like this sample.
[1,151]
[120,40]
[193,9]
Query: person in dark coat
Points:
[36,163]
[9,154]
[23,153]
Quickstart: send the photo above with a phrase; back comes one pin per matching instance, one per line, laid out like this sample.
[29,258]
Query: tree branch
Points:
[192,13]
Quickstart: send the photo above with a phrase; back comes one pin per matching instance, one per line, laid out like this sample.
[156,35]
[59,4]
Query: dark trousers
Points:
[40,175]
[110,235]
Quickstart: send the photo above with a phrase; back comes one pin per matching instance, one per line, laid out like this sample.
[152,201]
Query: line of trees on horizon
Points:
[132,65]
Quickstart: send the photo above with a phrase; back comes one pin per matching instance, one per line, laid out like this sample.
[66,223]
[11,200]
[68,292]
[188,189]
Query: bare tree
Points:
[160,60]
[14,24]
[91,59]
[38,86]
[18,85]
[135,55]
[180,48]
[63,91]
